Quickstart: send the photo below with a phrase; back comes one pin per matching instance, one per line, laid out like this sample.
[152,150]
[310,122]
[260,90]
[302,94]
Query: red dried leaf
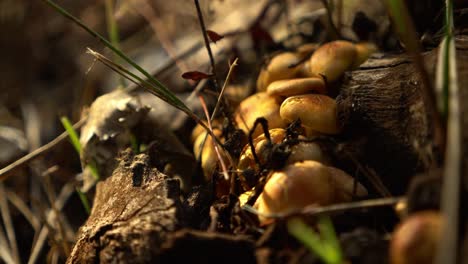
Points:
[196,75]
[214,37]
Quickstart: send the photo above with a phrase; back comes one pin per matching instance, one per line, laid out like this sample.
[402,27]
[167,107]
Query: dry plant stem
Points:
[8,224]
[221,94]
[207,43]
[148,13]
[6,172]
[5,249]
[23,209]
[314,211]
[218,103]
[59,203]
[51,197]
[215,144]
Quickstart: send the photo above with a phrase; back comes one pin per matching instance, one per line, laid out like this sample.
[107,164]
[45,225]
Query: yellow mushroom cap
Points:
[209,158]
[415,239]
[306,49]
[316,111]
[255,106]
[333,59]
[297,86]
[302,184]
[246,159]
[363,52]
[306,151]
[198,129]
[279,68]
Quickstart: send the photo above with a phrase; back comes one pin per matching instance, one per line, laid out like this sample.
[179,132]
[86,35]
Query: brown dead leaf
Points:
[196,75]
[214,37]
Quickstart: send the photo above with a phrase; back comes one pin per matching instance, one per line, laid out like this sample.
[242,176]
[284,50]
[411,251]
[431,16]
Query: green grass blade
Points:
[333,245]
[71,133]
[326,247]
[448,249]
[94,171]
[307,236]
[113,32]
[160,90]
[84,201]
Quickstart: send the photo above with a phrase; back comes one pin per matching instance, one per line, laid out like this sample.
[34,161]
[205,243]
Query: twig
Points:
[313,210]
[215,144]
[6,172]
[207,44]
[23,209]
[8,224]
[221,94]
[48,189]
[5,252]
[59,203]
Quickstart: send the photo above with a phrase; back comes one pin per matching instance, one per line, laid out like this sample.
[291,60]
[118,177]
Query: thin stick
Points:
[218,103]
[207,44]
[7,222]
[24,209]
[313,210]
[5,252]
[221,94]
[215,144]
[6,172]
[59,203]
[48,189]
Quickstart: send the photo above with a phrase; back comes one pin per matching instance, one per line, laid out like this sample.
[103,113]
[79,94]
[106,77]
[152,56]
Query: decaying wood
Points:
[133,211]
[385,119]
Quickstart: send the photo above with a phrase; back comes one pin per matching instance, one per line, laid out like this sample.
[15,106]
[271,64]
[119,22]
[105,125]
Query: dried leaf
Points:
[196,75]
[110,115]
[214,37]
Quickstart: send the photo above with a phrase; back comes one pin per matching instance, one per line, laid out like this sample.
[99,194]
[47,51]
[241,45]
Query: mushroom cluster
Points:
[293,86]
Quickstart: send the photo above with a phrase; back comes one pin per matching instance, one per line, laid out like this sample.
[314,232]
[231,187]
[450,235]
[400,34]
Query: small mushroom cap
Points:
[246,159]
[209,159]
[198,129]
[306,151]
[306,49]
[297,86]
[333,59]
[255,106]
[415,239]
[302,184]
[279,68]
[363,52]
[316,111]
